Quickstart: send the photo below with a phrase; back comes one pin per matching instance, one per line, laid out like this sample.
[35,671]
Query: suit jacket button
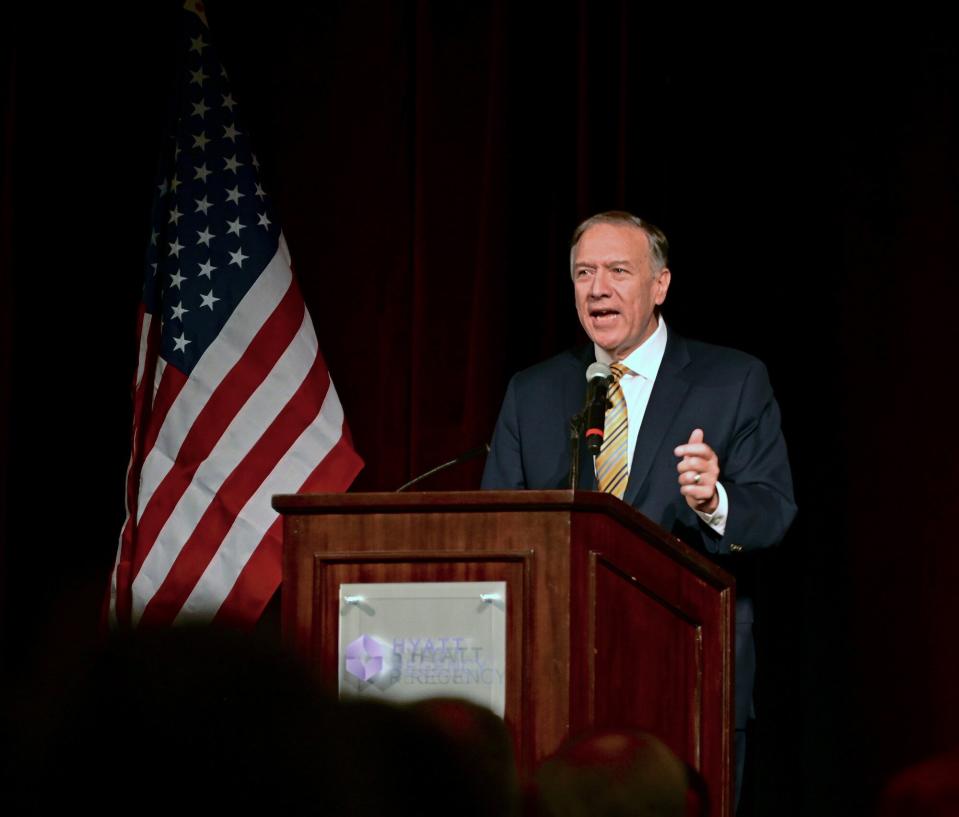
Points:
[735,548]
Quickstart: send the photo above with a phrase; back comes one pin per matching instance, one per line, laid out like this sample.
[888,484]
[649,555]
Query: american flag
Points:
[232,399]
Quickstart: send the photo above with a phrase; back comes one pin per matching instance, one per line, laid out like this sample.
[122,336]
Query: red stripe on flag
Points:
[247,374]
[261,575]
[146,348]
[338,469]
[296,416]
[256,583]
[142,414]
[172,382]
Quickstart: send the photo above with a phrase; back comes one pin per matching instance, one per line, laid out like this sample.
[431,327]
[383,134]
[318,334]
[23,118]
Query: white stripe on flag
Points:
[217,361]
[160,368]
[247,531]
[144,335]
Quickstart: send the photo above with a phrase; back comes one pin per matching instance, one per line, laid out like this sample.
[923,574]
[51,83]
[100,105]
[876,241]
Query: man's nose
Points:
[600,285]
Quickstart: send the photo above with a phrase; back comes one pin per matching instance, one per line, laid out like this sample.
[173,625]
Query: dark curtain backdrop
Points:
[429,161]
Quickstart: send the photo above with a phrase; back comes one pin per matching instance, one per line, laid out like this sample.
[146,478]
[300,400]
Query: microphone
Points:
[479,451]
[599,377]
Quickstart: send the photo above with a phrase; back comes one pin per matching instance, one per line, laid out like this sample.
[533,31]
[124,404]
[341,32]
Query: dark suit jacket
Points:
[722,391]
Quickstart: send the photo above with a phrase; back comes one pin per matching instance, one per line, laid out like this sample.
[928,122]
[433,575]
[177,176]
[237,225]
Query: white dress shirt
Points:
[637,385]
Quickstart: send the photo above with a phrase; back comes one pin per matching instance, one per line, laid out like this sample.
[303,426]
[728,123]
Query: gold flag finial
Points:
[197,7]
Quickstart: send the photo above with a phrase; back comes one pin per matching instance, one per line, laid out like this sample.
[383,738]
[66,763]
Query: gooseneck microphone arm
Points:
[575,424]
[480,450]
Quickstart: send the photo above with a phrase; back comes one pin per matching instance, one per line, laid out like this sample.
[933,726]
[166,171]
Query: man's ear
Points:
[661,286]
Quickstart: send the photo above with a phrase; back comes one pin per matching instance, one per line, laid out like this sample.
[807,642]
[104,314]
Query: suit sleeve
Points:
[755,472]
[504,465]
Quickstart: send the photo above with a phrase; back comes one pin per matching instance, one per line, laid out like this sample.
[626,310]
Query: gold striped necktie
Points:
[611,465]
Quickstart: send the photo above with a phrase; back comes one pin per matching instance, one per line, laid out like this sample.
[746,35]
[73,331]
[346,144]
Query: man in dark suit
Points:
[693,437]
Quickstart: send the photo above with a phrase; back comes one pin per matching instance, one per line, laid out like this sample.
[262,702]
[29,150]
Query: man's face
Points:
[616,293]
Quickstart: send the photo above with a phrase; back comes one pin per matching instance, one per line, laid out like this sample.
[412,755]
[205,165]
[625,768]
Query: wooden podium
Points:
[611,621]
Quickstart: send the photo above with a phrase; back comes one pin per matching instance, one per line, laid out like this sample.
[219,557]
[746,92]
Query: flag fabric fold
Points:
[232,400]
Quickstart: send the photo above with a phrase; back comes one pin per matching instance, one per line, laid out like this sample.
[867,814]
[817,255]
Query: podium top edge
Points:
[499,501]
[386,502]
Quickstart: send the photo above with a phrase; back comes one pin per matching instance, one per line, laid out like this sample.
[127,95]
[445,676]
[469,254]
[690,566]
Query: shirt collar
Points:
[646,358]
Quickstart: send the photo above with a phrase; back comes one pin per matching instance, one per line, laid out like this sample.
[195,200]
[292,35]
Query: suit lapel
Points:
[667,396]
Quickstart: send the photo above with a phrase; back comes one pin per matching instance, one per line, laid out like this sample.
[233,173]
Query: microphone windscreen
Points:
[598,370]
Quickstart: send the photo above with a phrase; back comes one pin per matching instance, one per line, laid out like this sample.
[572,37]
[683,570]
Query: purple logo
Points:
[364,657]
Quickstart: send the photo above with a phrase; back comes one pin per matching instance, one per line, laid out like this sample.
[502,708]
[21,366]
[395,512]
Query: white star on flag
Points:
[209,299]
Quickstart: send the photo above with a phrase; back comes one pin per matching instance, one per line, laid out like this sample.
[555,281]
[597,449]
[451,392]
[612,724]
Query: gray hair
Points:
[658,245]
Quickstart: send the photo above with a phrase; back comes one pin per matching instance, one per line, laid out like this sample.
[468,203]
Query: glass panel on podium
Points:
[406,641]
